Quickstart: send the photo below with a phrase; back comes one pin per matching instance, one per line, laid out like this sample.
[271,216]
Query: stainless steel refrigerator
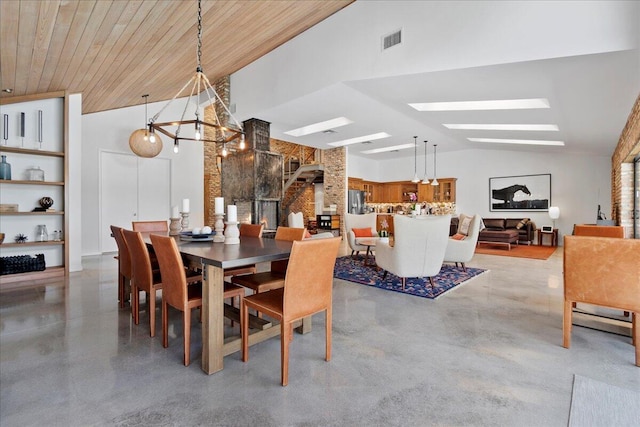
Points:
[355,204]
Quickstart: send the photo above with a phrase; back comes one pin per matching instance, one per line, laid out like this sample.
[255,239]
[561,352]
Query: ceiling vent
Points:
[392,39]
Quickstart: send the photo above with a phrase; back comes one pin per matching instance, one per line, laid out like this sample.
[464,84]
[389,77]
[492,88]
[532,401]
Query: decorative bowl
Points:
[46,202]
[1,238]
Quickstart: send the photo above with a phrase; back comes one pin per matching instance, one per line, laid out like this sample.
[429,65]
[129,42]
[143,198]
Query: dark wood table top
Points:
[251,250]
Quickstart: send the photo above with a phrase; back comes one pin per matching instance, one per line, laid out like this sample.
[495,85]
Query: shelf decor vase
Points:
[5,169]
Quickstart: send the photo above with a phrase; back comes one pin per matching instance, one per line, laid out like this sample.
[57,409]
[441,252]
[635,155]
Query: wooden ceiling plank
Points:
[66,12]
[80,59]
[115,52]
[136,62]
[100,48]
[156,52]
[26,36]
[44,31]
[80,20]
[9,17]
[129,21]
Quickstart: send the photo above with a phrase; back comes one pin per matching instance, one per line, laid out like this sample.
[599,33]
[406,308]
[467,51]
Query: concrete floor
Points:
[487,353]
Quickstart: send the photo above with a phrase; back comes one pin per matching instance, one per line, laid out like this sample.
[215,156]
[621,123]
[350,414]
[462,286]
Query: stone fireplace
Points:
[252,179]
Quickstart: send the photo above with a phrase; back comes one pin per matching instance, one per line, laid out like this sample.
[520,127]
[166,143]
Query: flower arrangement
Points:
[384,225]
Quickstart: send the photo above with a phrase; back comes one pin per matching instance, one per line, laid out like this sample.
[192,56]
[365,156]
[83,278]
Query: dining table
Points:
[213,258]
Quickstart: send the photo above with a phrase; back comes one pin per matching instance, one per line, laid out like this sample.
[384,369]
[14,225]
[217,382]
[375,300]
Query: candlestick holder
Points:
[219,228]
[185,220]
[174,226]
[232,234]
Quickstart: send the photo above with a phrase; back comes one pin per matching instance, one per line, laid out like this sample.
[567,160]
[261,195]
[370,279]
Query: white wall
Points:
[110,130]
[579,183]
[74,210]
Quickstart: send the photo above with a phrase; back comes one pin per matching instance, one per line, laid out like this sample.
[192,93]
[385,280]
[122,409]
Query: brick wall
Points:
[335,180]
[622,171]
[303,202]
[212,181]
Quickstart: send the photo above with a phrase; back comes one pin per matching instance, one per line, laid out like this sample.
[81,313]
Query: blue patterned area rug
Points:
[450,277]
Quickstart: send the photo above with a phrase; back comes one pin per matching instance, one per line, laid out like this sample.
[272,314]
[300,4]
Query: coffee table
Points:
[369,242]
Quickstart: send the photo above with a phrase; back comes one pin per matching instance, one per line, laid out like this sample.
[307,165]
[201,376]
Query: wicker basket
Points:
[21,264]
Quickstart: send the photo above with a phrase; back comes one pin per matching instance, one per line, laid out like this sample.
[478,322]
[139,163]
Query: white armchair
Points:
[461,251]
[352,221]
[296,220]
[419,247]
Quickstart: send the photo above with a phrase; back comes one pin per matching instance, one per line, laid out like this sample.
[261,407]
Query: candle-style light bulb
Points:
[242,143]
[176,146]
[224,150]
[198,135]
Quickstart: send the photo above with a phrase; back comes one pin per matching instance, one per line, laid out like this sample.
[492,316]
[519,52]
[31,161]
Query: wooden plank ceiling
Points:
[113,52]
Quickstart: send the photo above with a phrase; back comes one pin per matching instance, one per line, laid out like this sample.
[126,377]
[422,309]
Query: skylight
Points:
[319,127]
[517,141]
[372,137]
[551,128]
[386,149]
[504,104]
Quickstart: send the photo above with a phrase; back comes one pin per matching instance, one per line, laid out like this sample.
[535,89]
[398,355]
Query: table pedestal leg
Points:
[212,319]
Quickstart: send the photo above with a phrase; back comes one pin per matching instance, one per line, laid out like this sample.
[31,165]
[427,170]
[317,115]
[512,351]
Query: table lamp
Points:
[554,213]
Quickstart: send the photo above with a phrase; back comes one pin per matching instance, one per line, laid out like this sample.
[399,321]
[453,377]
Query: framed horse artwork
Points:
[520,193]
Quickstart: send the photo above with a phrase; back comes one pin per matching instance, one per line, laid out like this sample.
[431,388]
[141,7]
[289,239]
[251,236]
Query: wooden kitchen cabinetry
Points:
[446,191]
[355,184]
[369,191]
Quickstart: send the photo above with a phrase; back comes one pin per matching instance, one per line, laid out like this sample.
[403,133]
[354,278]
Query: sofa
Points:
[505,229]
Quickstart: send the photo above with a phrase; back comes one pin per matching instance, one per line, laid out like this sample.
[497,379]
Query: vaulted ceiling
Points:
[113,52]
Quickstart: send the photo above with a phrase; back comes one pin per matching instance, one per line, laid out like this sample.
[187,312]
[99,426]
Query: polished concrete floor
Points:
[487,353]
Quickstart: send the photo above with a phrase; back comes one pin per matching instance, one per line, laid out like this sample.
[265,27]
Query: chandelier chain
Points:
[199,36]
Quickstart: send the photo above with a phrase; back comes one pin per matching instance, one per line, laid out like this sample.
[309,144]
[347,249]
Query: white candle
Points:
[219,205]
[174,212]
[185,205]
[232,213]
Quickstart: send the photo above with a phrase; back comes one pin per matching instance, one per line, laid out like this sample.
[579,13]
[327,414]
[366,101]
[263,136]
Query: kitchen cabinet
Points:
[425,192]
[369,191]
[394,192]
[446,191]
[355,184]
[44,120]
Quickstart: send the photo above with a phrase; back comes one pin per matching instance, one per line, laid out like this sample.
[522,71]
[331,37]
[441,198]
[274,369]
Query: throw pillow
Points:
[464,225]
[458,236]
[362,232]
[522,223]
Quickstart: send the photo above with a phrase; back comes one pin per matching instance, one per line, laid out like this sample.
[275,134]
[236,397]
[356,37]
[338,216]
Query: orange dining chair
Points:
[124,265]
[307,290]
[177,294]
[273,279]
[144,278]
[146,226]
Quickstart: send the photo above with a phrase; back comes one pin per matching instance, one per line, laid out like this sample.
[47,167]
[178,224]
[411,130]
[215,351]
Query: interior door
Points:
[118,195]
[154,189]
[131,189]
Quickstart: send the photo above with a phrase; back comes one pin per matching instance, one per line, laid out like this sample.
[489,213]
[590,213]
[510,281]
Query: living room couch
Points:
[524,226]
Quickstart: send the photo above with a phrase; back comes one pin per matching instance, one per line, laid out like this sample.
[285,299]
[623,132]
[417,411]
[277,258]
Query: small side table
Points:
[553,234]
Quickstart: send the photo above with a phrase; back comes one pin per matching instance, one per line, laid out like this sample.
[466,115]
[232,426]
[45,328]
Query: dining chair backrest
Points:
[149,226]
[140,260]
[174,280]
[251,230]
[309,279]
[288,234]
[124,258]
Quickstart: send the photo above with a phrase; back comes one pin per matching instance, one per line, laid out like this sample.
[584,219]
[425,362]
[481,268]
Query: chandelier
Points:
[227,138]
